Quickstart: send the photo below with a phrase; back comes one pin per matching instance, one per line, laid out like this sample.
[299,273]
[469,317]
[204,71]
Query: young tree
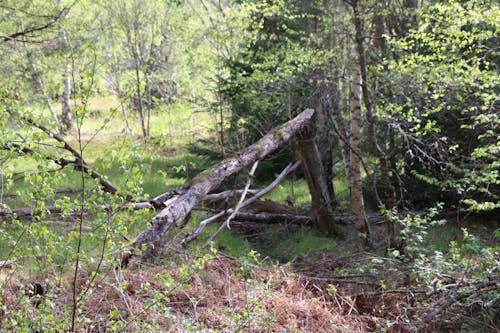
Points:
[138,35]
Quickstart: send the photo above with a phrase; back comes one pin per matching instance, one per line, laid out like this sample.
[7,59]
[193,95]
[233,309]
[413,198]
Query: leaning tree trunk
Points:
[178,204]
[317,178]
[322,202]
[357,203]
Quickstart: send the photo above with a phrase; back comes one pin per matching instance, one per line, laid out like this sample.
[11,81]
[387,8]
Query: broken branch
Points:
[178,207]
[253,199]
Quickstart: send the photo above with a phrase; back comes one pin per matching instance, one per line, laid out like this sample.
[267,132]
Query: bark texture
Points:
[390,192]
[322,202]
[357,203]
[179,204]
[66,116]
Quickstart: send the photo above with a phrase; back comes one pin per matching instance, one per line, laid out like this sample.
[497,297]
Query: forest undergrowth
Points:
[254,278]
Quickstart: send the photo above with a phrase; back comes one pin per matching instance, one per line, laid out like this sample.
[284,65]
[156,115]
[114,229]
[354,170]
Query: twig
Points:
[290,168]
[242,198]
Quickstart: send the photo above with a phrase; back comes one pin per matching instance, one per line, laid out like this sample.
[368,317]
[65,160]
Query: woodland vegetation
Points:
[249,166]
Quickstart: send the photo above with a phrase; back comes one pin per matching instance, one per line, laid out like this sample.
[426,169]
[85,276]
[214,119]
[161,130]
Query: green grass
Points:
[296,190]
[228,242]
[147,169]
[305,242]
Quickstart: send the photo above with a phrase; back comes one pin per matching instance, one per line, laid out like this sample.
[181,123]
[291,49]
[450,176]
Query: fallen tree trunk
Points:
[274,218]
[179,203]
[249,202]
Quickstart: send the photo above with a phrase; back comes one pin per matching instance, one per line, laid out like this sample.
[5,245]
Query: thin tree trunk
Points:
[149,101]
[66,116]
[133,46]
[357,202]
[139,105]
[390,192]
[341,130]
[38,82]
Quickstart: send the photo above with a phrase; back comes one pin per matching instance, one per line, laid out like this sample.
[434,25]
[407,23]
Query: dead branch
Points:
[9,214]
[52,21]
[215,197]
[202,225]
[179,206]
[268,206]
[274,218]
[243,195]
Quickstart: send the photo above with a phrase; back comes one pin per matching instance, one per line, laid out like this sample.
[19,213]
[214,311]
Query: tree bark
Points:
[202,225]
[66,116]
[357,203]
[390,191]
[324,139]
[180,203]
[322,202]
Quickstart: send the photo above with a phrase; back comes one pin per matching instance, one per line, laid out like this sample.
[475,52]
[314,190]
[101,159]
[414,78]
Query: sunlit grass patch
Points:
[293,191]
[298,243]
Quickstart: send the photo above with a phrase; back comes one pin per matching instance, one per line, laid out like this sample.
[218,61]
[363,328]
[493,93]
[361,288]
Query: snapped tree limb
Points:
[290,168]
[179,205]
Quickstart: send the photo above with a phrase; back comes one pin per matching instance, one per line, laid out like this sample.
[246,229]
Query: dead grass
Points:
[218,298]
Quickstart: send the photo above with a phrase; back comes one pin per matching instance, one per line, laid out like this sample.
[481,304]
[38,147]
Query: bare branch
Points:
[53,20]
[243,195]
[79,162]
[179,206]
[202,225]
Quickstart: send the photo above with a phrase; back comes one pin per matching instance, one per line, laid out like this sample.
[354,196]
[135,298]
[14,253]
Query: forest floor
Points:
[208,291]
[221,295]
[259,279]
